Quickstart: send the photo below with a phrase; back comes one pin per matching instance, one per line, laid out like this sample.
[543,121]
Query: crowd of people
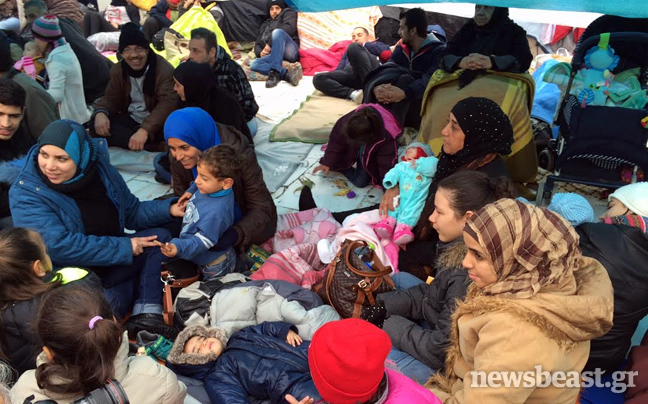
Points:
[483,282]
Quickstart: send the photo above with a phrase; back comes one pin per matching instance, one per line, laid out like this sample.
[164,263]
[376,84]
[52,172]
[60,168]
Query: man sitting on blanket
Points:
[203,48]
[419,53]
[360,58]
[278,41]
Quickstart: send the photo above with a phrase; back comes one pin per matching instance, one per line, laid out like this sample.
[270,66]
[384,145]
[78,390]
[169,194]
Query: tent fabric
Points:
[626,8]
[322,30]
[242,19]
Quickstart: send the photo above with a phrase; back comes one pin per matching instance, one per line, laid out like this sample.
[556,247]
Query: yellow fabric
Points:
[513,92]
[313,121]
[145,5]
[195,17]
[71,274]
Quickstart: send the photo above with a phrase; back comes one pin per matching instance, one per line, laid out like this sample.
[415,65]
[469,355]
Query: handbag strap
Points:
[382,271]
[170,281]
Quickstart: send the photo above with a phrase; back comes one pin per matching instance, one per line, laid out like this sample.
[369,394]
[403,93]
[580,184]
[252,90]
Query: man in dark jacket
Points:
[418,55]
[203,48]
[40,108]
[162,15]
[278,41]
[139,96]
[266,361]
[14,142]
[95,68]
[359,59]
[623,251]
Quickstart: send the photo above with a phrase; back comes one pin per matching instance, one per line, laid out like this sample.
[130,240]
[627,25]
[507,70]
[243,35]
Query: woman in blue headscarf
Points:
[189,132]
[70,193]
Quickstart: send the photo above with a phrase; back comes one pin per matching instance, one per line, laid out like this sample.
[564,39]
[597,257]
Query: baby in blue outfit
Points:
[413,175]
[209,213]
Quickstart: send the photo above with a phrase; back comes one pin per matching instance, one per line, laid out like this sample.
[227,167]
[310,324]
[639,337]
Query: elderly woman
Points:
[189,132]
[488,41]
[80,204]
[534,305]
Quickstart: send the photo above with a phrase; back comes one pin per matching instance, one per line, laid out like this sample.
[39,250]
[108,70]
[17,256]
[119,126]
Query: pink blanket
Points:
[295,257]
[316,60]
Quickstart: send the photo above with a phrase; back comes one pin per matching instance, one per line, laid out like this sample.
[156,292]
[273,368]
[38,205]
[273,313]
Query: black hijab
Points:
[488,132]
[197,79]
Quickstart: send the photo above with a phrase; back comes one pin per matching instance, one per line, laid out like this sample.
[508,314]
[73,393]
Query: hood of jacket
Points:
[177,355]
[431,41]
[450,255]
[389,120]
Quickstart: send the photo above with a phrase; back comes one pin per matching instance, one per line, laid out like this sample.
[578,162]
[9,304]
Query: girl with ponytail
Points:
[84,347]
[417,315]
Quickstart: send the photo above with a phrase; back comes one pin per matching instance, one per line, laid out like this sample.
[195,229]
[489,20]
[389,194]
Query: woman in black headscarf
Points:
[196,85]
[489,41]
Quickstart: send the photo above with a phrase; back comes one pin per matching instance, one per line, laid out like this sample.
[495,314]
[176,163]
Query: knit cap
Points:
[280,3]
[634,197]
[173,2]
[347,360]
[419,153]
[47,28]
[573,207]
[131,35]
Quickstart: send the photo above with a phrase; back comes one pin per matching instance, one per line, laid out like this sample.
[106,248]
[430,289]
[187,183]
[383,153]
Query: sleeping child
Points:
[266,361]
[414,174]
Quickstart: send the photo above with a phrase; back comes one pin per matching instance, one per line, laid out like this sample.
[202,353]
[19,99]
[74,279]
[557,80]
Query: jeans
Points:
[138,285]
[405,280]
[163,170]
[283,48]
[357,175]
[226,266]
[341,83]
[253,125]
[409,366]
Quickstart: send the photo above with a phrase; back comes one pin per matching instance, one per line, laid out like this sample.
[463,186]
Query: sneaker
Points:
[273,79]
[294,74]
[385,228]
[403,234]
[154,345]
[356,96]
[153,323]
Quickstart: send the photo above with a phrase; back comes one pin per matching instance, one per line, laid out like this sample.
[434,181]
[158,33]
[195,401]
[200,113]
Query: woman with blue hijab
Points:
[70,193]
[189,132]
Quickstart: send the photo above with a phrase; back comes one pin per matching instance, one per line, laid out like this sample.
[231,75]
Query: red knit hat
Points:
[347,360]
[419,153]
[174,2]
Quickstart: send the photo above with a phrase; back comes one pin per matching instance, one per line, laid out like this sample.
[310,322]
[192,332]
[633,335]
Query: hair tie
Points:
[93,320]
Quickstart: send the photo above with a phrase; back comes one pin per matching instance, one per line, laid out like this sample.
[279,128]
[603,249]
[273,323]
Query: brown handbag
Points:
[351,284]
[176,274]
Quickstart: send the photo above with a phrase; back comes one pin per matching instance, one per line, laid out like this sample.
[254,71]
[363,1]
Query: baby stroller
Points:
[597,143]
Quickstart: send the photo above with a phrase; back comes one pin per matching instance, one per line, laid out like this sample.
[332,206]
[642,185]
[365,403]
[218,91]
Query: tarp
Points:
[624,8]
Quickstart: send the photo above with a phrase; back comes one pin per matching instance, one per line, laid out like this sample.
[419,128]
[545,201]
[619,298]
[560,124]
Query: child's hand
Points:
[177,210]
[168,249]
[322,168]
[292,400]
[293,339]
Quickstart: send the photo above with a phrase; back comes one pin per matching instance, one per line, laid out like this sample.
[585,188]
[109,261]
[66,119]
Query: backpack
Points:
[194,301]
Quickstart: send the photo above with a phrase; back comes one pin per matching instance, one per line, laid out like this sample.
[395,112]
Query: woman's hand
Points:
[322,168]
[184,200]
[293,339]
[387,202]
[140,243]
[102,124]
[292,400]
[176,210]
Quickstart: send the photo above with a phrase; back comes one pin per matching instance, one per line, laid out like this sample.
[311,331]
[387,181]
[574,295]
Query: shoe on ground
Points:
[153,323]
[273,79]
[294,74]
[356,96]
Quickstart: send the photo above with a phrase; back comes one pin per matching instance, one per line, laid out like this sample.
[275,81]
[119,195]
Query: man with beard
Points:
[418,54]
[139,97]
[14,142]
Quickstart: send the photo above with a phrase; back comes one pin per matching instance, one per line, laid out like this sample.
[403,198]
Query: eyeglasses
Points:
[131,51]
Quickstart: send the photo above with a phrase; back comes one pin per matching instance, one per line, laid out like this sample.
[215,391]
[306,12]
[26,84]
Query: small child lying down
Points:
[266,361]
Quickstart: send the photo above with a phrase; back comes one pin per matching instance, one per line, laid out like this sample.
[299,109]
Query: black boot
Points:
[153,323]
[274,77]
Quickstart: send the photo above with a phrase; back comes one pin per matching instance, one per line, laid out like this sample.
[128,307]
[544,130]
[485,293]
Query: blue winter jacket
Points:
[257,362]
[58,219]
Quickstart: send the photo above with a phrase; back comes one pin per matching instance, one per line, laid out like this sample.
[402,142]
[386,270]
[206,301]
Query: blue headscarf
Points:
[193,126]
[71,137]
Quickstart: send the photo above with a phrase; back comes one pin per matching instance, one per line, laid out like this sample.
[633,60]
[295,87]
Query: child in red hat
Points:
[347,363]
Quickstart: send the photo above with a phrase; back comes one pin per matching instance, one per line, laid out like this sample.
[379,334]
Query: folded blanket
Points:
[315,60]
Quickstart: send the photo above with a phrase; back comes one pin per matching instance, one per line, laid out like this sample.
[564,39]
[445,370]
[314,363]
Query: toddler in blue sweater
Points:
[209,213]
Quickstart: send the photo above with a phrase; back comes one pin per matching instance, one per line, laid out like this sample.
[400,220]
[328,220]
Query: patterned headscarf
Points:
[532,249]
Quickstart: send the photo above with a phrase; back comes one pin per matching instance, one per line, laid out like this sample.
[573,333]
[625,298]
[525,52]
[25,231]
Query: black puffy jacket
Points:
[286,20]
[623,251]
[433,303]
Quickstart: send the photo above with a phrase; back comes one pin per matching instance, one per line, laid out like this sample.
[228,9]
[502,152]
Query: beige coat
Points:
[493,334]
[144,380]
